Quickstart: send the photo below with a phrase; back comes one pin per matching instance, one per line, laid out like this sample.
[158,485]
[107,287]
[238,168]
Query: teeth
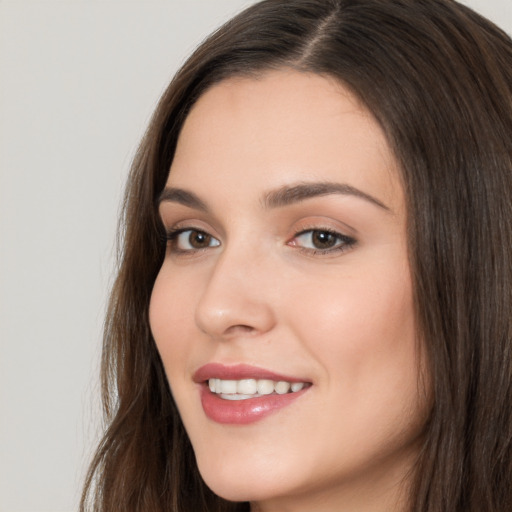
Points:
[247,386]
[228,386]
[282,387]
[250,388]
[265,387]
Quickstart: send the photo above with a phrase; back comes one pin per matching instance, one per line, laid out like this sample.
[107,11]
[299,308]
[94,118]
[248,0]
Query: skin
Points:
[259,294]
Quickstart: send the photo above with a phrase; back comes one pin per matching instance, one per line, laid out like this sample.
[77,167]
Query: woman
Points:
[313,305]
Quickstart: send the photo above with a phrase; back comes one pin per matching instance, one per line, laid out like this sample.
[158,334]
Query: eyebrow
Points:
[287,195]
[278,198]
[181,196]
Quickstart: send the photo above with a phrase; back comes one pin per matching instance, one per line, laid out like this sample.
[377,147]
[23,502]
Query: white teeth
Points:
[282,387]
[251,388]
[237,396]
[228,386]
[247,386]
[265,387]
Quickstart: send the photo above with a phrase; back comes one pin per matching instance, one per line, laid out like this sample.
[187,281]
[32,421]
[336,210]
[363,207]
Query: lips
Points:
[238,372]
[243,394]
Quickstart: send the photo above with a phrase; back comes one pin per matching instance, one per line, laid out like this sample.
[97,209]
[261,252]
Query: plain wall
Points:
[78,83]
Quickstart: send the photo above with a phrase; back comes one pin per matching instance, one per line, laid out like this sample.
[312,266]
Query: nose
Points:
[237,298]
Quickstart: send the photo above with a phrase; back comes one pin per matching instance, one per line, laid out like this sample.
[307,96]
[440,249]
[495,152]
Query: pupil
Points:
[198,239]
[323,239]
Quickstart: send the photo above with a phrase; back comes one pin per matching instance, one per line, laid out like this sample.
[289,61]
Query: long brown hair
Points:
[438,78]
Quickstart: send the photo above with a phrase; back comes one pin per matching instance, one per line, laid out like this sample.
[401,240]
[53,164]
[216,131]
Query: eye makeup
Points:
[322,241]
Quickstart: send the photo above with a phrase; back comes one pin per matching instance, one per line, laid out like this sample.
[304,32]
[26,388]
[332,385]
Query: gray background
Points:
[79,80]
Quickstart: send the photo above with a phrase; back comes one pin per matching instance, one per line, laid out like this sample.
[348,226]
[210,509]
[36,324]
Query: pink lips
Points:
[241,412]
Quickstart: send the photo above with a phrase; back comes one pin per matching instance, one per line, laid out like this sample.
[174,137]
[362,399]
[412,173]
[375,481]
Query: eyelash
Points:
[342,242]
[172,236]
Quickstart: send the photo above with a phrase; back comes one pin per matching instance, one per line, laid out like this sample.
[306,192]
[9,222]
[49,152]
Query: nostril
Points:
[240,329]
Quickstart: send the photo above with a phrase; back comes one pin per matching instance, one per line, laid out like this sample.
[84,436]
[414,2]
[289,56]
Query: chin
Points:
[233,483]
[232,489]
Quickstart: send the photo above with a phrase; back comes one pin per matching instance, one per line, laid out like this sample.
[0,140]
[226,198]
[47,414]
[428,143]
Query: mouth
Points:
[244,394]
[245,389]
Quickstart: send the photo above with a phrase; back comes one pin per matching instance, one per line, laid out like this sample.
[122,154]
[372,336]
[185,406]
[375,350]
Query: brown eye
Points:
[198,239]
[185,240]
[322,241]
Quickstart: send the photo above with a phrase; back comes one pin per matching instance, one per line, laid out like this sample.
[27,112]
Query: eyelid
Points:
[172,237]
[174,216]
[172,222]
[344,242]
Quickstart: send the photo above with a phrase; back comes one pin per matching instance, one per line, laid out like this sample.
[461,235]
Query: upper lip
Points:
[238,372]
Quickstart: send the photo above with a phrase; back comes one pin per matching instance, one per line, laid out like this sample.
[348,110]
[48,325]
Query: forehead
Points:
[281,127]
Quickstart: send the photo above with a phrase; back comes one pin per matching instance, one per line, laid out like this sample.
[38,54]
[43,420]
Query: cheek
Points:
[362,331]
[169,314]
[356,312]
[364,338]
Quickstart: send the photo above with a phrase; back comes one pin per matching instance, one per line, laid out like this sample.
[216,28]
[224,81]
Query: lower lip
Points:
[243,412]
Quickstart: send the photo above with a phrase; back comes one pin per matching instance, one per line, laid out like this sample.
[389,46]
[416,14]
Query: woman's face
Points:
[286,288]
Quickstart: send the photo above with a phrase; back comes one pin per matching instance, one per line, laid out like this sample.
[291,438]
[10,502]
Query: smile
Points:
[252,388]
[242,394]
